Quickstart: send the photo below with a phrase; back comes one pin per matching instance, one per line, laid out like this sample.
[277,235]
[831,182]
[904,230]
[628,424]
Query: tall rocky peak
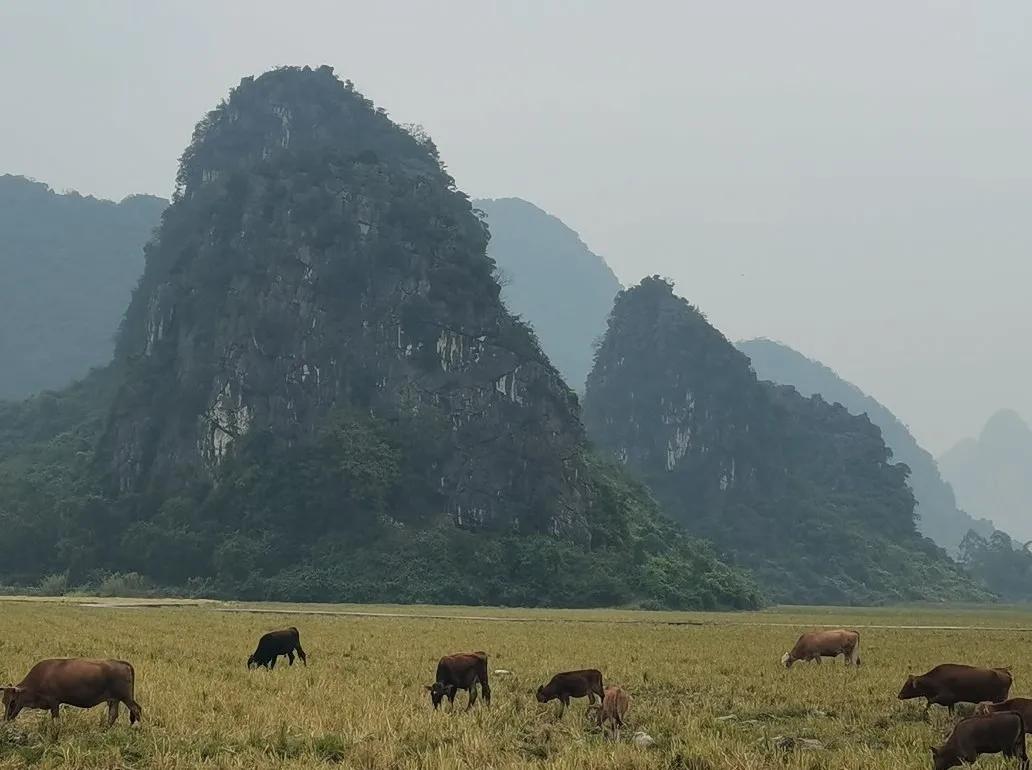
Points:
[316,257]
[993,473]
[797,490]
[551,279]
[938,514]
[69,263]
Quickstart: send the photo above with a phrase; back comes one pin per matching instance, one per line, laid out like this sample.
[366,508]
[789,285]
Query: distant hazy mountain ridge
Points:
[992,474]
[69,263]
[552,280]
[938,514]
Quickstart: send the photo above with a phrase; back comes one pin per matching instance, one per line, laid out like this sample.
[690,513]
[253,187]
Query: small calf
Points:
[614,708]
[1002,733]
[274,644]
[572,684]
[1021,706]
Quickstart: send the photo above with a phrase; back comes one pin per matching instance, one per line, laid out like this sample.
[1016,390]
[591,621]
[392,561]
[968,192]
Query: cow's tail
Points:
[854,655]
[1019,742]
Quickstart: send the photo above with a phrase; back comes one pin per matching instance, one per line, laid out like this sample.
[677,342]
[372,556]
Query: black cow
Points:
[274,644]
[1001,733]
[461,671]
[951,683]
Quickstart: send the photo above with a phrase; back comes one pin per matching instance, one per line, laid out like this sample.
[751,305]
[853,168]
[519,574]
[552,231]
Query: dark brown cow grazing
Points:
[460,672]
[814,645]
[274,644]
[1002,733]
[1021,706]
[951,683]
[79,682]
[572,684]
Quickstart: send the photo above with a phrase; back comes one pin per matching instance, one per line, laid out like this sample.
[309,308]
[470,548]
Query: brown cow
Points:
[994,734]
[460,672]
[1021,706]
[814,645]
[572,684]
[951,683]
[79,682]
[614,708]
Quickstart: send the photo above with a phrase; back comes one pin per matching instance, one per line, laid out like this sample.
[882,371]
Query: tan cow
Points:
[613,710]
[814,645]
[80,682]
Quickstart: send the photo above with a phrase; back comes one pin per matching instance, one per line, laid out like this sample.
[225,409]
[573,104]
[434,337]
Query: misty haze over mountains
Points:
[856,188]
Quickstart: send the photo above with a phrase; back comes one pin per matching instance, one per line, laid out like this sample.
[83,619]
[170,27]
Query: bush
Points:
[53,585]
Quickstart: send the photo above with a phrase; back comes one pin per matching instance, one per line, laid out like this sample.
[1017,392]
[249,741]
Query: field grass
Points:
[360,702]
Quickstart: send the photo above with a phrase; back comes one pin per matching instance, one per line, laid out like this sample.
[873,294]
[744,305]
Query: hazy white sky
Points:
[854,179]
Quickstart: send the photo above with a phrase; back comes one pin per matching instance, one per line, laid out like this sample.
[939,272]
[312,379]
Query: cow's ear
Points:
[428,687]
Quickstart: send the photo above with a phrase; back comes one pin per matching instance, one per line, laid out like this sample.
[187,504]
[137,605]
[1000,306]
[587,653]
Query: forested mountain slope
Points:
[797,490]
[317,393]
[938,514]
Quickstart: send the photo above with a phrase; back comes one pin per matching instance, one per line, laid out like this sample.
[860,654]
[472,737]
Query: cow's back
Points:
[81,681]
[970,682]
[462,669]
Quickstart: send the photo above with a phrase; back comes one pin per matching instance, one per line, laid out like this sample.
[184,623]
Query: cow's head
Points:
[942,758]
[13,697]
[911,689]
[787,660]
[543,695]
[438,690]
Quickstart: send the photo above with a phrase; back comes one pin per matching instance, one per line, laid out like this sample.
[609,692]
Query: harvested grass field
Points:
[360,702]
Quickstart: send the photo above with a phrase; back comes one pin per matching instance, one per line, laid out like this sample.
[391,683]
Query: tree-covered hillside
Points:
[69,264]
[317,393]
[797,490]
[552,280]
[938,515]
[992,474]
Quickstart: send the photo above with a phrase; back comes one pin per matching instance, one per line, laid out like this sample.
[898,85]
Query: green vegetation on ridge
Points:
[796,490]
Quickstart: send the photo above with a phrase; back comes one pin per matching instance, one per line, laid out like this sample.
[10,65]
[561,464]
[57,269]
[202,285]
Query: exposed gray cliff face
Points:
[317,256]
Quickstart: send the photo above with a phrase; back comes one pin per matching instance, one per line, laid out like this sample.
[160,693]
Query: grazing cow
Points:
[274,644]
[613,710]
[572,684]
[951,683]
[80,682]
[1021,706]
[814,645]
[460,672]
[1002,733]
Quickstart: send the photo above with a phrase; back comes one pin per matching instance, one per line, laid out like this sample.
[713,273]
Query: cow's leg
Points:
[485,690]
[472,690]
[290,656]
[301,654]
[564,701]
[55,710]
[112,712]
[135,712]
[272,662]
